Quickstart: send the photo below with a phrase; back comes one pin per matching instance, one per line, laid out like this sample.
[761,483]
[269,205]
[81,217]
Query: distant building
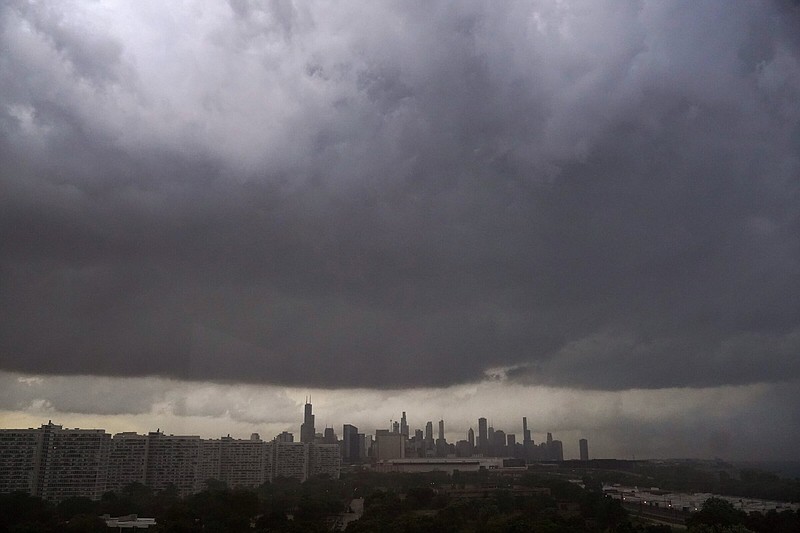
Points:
[307,427]
[556,450]
[389,445]
[285,436]
[350,444]
[329,437]
[526,433]
[442,464]
[429,435]
[463,448]
[499,444]
[482,436]
[404,425]
[583,444]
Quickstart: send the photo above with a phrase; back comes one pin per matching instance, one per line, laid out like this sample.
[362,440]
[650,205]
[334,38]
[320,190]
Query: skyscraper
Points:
[350,444]
[482,435]
[429,434]
[583,444]
[404,425]
[307,427]
[441,430]
[556,450]
[471,438]
[526,433]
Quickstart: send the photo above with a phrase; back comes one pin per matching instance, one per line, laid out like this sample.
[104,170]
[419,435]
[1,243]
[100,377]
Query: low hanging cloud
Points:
[586,195]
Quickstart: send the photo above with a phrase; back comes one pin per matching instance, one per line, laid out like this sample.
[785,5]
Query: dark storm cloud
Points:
[588,195]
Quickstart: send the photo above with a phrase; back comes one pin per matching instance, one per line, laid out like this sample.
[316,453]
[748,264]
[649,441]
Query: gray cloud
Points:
[599,196]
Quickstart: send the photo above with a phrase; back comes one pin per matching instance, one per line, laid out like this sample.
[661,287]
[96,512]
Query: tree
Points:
[86,523]
[716,512]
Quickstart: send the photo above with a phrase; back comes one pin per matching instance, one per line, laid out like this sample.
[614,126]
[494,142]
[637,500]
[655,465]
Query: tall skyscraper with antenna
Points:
[307,431]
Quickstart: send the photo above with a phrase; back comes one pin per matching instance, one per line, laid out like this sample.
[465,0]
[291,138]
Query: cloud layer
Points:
[581,194]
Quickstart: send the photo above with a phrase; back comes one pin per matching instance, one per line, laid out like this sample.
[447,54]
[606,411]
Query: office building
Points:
[483,443]
[556,450]
[583,444]
[307,433]
[388,445]
[429,435]
[350,444]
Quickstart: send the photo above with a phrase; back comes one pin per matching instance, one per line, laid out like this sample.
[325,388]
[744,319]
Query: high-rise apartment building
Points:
[127,461]
[240,462]
[57,463]
[20,452]
[173,460]
[291,460]
[583,444]
[73,463]
[324,459]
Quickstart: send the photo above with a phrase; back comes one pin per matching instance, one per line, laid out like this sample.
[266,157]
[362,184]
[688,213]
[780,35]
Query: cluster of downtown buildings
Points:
[398,443]
[57,463]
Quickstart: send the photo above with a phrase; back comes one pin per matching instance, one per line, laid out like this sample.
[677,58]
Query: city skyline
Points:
[582,213]
[603,444]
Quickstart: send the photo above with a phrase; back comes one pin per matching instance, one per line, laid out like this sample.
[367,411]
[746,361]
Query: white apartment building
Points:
[127,461]
[173,460]
[73,463]
[324,459]
[19,457]
[291,460]
[56,463]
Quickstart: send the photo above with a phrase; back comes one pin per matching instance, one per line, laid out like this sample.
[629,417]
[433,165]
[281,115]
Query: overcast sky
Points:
[587,213]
